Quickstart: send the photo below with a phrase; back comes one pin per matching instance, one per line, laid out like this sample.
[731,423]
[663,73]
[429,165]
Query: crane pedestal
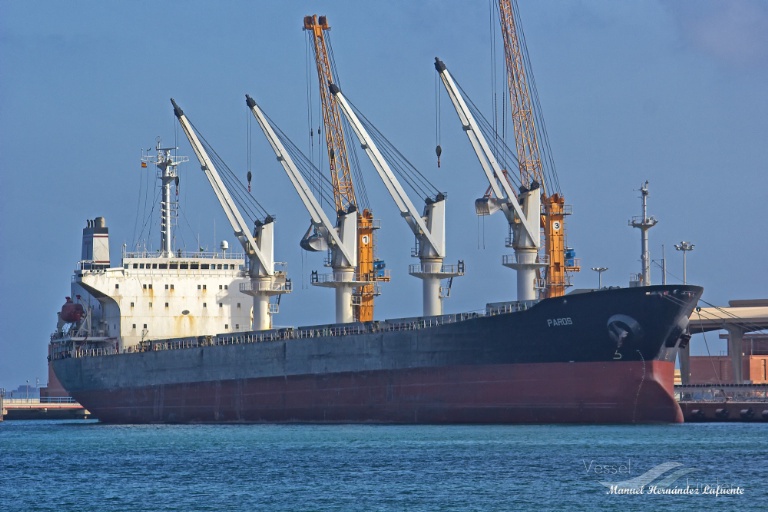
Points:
[431,272]
[261,289]
[524,262]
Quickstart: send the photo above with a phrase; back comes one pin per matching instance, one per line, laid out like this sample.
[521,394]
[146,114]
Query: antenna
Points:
[167,173]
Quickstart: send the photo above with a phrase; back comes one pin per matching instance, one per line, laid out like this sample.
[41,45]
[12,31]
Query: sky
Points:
[668,91]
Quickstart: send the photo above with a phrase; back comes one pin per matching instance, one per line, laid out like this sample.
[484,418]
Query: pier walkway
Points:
[742,316]
[34,409]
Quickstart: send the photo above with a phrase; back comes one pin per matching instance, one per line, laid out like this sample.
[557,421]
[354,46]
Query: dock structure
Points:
[739,318]
[34,409]
[724,402]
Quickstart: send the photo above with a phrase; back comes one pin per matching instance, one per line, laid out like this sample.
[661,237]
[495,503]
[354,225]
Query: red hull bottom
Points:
[609,392]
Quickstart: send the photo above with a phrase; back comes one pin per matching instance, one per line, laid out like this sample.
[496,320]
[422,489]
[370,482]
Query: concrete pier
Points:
[34,409]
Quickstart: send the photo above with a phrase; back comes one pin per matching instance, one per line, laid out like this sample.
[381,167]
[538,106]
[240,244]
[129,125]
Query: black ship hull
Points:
[597,357]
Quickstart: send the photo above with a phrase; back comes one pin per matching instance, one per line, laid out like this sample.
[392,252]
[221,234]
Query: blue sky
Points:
[668,91]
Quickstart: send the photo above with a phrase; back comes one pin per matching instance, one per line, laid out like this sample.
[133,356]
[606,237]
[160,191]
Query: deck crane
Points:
[343,188]
[522,209]
[265,282]
[560,260]
[428,228]
[340,239]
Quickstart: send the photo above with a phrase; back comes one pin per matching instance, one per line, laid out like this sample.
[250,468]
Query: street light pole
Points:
[685,247]
[599,271]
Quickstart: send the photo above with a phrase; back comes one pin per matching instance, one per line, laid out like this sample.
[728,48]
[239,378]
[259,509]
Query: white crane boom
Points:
[240,227]
[524,222]
[264,281]
[407,209]
[316,212]
[488,161]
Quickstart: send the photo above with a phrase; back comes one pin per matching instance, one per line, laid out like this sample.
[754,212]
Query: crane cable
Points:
[244,201]
[418,183]
[549,172]
[438,147]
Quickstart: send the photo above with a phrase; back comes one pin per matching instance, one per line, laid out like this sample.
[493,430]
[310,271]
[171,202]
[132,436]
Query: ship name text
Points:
[559,322]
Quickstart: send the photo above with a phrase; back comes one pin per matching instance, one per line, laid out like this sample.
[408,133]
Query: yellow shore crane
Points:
[369,269]
[559,258]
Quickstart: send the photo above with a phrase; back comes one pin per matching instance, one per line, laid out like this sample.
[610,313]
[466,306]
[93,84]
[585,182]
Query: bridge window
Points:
[131,304]
[238,305]
[205,305]
[117,287]
[166,304]
[134,326]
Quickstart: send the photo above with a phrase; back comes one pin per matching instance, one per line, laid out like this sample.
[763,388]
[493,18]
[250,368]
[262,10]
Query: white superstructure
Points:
[151,295]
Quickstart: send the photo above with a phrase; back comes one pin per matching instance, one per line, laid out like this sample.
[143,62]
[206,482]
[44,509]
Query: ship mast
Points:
[644,223]
[167,173]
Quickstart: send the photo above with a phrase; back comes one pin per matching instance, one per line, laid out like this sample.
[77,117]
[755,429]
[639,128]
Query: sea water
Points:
[88,466]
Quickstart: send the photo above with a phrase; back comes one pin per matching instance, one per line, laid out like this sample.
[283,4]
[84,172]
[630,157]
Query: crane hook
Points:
[438,152]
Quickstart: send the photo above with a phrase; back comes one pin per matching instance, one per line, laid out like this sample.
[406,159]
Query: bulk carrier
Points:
[168,337]
[136,344]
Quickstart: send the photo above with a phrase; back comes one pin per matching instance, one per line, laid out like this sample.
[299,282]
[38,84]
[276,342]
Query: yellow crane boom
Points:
[558,261]
[343,188]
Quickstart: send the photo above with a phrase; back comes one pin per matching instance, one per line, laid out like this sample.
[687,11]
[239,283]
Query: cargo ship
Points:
[604,356]
[167,337]
[162,338]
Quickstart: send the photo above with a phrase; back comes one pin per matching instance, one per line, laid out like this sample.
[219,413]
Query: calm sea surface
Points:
[84,465]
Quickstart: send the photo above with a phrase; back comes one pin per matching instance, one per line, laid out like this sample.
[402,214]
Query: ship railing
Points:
[721,392]
[288,333]
[357,278]
[223,255]
[83,352]
[449,270]
[266,286]
[501,308]
[511,259]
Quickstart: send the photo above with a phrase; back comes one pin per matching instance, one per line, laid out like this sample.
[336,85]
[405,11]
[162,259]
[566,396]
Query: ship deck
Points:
[89,347]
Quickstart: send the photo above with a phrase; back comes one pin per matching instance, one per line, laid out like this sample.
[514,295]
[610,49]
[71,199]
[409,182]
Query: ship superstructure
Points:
[165,293]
